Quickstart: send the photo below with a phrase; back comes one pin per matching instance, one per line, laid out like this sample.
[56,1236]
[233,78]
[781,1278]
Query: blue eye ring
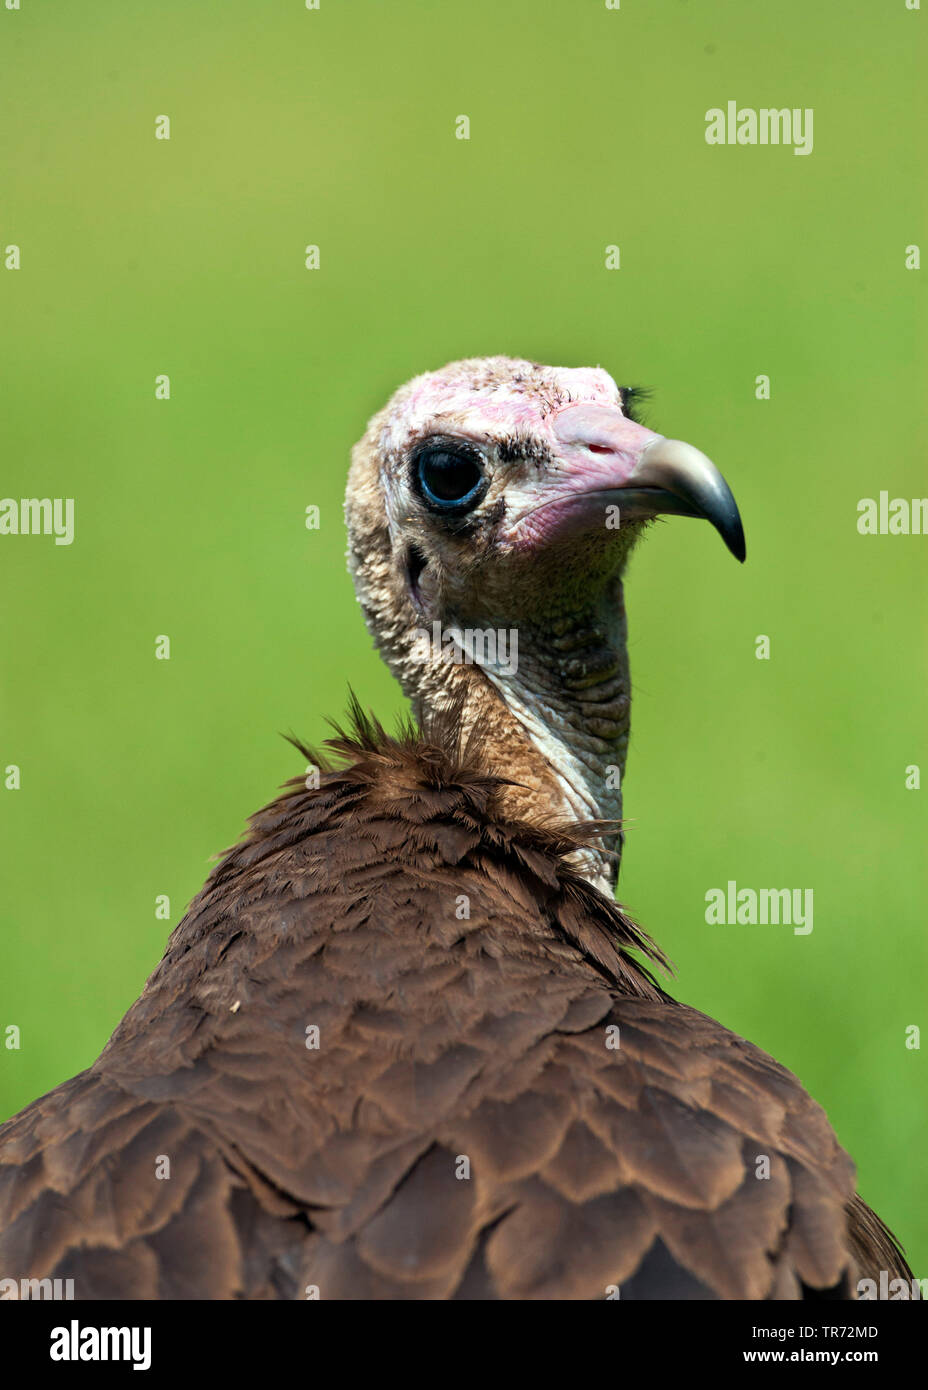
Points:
[449,476]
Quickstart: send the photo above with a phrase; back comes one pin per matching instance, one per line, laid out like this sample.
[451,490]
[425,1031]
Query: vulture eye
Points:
[450,477]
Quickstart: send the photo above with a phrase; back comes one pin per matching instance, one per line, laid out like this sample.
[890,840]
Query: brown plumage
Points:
[337,1167]
[500,1100]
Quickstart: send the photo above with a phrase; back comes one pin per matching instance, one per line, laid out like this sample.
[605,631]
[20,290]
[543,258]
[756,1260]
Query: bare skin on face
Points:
[499,497]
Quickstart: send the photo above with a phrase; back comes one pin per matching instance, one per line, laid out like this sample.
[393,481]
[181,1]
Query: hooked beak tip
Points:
[676,478]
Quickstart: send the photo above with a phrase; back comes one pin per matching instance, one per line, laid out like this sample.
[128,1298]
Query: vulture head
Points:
[491,509]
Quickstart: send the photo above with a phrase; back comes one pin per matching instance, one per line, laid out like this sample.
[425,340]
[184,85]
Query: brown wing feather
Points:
[466,1127]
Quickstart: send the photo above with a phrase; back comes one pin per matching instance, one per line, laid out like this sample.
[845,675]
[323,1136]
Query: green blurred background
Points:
[186,257]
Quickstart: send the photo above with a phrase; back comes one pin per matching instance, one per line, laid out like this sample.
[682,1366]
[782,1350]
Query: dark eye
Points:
[450,479]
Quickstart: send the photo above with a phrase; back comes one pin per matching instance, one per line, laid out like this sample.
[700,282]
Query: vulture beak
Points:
[610,461]
[673,477]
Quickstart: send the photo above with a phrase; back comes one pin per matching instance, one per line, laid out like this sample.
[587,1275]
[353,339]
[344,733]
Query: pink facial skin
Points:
[597,451]
[589,457]
[505,402]
[479,399]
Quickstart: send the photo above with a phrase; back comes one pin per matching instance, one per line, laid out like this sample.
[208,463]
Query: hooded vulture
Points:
[404,1044]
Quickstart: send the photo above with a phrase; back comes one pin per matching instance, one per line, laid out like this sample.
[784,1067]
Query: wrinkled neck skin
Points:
[557,724]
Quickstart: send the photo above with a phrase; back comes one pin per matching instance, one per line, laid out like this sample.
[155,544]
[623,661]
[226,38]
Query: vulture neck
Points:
[557,725]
